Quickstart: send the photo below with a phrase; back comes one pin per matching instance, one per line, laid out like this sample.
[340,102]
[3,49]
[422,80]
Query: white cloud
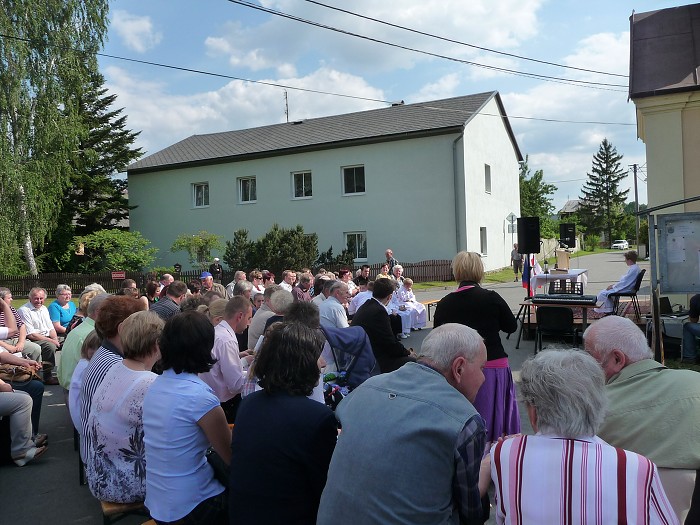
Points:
[278,39]
[137,32]
[565,151]
[445,87]
[165,119]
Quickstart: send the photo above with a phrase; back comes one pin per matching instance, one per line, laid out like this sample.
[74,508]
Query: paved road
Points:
[48,492]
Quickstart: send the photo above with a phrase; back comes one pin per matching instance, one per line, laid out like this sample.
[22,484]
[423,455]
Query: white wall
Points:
[486,141]
[408,205]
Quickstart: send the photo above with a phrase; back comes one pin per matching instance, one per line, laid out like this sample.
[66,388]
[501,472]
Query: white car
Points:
[620,244]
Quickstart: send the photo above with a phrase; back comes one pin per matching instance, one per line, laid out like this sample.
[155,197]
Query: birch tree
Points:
[47,50]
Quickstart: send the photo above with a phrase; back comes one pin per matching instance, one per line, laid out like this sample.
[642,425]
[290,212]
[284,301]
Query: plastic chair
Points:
[632,294]
[555,321]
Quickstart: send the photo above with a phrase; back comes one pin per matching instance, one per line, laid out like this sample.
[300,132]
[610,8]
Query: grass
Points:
[677,364]
[504,275]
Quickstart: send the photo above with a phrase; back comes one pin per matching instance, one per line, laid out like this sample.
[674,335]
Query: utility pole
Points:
[286,106]
[636,205]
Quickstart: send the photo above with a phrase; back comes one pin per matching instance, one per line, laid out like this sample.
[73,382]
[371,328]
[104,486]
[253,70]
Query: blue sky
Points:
[223,37]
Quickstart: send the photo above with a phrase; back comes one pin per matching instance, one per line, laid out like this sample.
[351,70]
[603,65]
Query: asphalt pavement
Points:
[48,492]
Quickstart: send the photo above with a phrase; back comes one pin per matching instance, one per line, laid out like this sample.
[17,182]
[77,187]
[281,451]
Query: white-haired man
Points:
[653,411]
[412,442]
[331,310]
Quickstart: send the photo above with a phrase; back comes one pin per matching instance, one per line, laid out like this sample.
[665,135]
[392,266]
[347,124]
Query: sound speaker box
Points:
[567,234]
[529,235]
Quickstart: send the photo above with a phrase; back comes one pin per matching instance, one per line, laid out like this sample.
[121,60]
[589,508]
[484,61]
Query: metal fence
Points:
[19,285]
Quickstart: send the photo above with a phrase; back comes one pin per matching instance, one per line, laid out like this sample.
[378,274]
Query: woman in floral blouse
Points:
[116,466]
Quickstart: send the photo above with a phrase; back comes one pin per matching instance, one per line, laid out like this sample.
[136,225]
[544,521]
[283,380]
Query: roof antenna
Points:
[286,106]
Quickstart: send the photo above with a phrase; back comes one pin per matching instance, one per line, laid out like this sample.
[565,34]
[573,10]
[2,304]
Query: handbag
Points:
[221,470]
[17,373]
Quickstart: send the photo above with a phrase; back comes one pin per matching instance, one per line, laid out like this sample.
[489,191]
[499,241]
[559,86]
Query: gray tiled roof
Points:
[404,121]
[665,52]
[571,206]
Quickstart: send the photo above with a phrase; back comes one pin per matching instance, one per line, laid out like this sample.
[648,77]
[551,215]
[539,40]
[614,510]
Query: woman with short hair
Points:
[115,468]
[283,441]
[62,310]
[565,473]
[486,312]
[182,417]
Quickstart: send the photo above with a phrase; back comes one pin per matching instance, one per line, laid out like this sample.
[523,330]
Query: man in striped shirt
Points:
[565,474]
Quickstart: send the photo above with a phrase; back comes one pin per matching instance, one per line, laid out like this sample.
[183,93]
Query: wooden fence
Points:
[19,285]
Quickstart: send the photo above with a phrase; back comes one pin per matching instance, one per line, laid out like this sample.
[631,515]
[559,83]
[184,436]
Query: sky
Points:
[559,125]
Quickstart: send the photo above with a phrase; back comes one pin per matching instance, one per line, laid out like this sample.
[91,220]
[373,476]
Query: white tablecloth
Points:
[543,279]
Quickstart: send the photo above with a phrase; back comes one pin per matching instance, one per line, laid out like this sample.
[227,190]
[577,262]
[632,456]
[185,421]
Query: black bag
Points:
[221,470]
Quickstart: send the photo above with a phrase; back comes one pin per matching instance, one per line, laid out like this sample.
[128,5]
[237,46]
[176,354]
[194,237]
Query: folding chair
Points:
[632,294]
[555,321]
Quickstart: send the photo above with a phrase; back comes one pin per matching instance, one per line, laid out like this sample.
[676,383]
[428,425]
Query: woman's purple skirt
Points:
[497,403]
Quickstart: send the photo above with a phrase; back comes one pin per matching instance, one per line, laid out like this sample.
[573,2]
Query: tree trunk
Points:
[27,247]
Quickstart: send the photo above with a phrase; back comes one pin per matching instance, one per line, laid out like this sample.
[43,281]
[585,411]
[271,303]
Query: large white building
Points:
[426,179]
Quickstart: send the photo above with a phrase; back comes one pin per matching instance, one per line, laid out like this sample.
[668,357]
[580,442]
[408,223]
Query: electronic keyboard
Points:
[565,299]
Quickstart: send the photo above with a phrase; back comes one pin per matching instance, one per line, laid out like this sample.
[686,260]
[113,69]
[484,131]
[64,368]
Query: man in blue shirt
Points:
[412,443]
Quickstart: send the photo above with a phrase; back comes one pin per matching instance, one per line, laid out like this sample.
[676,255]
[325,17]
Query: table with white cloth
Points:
[573,275]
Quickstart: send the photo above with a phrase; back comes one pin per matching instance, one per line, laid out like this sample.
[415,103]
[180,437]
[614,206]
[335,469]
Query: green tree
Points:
[96,198]
[115,250]
[602,201]
[47,51]
[237,254]
[285,248]
[536,199]
[279,249]
[345,259]
[198,247]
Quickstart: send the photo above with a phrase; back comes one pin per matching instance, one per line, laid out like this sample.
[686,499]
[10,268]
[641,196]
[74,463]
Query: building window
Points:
[484,243]
[301,182]
[356,243]
[353,180]
[246,190]
[487,178]
[200,195]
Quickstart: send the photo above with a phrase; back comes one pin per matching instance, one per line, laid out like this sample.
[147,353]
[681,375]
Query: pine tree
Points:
[96,198]
[602,201]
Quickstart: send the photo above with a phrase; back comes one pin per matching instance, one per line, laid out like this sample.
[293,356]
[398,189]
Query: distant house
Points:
[424,179]
[569,208]
[665,57]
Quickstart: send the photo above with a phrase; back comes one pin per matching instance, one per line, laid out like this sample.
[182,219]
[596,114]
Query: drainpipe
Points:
[458,191]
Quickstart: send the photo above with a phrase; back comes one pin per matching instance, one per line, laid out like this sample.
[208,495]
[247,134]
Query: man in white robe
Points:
[625,284]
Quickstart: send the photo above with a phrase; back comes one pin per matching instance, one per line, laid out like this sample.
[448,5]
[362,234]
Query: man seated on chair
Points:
[652,410]
[625,284]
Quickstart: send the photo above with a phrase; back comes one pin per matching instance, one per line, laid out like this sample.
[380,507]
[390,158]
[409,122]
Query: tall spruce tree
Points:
[96,198]
[602,202]
[47,51]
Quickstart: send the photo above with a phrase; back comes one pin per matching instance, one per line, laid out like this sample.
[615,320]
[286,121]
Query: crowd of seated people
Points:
[155,384]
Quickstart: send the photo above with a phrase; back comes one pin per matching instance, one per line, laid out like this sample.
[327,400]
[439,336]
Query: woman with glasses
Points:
[62,310]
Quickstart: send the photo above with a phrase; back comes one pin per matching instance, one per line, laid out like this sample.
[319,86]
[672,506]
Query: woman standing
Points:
[486,312]
[182,417]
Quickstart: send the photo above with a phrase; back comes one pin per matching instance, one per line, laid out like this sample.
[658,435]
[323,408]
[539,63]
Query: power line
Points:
[315,91]
[452,41]
[547,78]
